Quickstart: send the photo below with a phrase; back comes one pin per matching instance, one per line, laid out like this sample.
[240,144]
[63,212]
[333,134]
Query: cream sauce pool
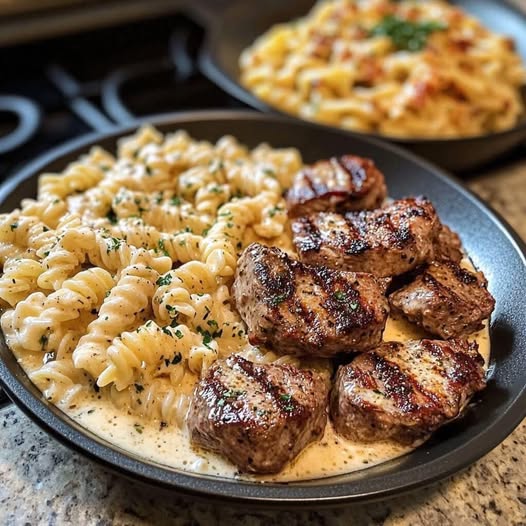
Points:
[170,446]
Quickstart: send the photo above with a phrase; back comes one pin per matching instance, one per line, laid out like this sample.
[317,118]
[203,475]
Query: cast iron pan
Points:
[232,30]
[493,246]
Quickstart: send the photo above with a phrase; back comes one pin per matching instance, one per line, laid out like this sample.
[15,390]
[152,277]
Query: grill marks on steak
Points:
[405,391]
[340,183]
[259,416]
[446,300]
[307,310]
[386,242]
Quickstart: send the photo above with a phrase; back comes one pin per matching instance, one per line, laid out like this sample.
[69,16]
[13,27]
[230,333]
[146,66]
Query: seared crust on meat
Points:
[258,416]
[405,391]
[307,310]
[445,300]
[340,183]
[448,246]
[385,242]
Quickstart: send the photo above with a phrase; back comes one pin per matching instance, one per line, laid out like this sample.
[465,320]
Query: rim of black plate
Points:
[50,418]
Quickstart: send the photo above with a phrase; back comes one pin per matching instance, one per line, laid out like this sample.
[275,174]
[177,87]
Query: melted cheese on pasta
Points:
[407,69]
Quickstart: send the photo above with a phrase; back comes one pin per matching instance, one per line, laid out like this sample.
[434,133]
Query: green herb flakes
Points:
[405,34]
[164,280]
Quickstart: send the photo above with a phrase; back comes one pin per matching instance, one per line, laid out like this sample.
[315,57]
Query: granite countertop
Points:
[42,482]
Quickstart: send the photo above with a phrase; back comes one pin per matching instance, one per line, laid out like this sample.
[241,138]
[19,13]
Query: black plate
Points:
[232,30]
[491,243]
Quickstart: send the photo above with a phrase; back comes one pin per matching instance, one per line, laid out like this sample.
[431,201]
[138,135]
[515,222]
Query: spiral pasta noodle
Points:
[116,280]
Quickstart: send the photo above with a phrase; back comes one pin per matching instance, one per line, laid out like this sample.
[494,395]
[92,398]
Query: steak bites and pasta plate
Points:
[235,312]
[412,69]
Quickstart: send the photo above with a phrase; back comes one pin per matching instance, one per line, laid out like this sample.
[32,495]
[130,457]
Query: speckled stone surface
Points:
[42,482]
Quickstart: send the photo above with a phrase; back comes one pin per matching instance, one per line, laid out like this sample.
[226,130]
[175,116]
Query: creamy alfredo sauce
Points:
[333,455]
[170,446]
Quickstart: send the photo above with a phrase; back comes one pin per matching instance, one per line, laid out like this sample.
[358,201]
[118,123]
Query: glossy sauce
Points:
[170,446]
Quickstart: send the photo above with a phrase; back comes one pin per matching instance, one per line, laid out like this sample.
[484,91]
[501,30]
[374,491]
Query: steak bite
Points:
[307,310]
[340,183]
[386,242]
[405,391]
[259,416]
[448,246]
[446,300]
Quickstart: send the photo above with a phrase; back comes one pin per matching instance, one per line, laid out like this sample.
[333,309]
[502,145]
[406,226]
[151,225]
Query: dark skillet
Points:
[232,30]
[493,246]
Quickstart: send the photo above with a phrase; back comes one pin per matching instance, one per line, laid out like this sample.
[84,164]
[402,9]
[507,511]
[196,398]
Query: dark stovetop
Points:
[63,88]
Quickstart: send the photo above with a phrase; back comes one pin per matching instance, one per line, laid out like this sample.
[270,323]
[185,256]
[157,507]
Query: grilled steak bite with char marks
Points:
[340,183]
[307,310]
[386,242]
[259,416]
[445,300]
[405,391]
[448,246]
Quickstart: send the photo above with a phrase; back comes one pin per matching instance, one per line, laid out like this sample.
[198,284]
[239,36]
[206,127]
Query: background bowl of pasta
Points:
[124,423]
[441,84]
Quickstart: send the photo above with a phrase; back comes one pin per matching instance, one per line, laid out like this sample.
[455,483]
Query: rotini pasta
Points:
[117,278]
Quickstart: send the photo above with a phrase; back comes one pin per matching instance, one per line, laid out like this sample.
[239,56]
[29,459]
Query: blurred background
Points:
[69,67]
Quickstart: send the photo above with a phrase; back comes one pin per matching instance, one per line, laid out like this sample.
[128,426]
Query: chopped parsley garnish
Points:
[208,336]
[175,201]
[354,305]
[275,210]
[276,300]
[161,247]
[139,428]
[164,280]
[213,324]
[13,226]
[179,334]
[405,34]
[113,244]
[233,393]
[285,397]
[340,296]
[111,217]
